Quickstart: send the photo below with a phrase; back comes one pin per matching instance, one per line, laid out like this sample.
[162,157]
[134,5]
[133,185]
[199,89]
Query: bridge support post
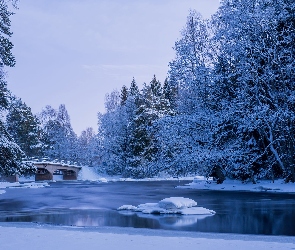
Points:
[44,176]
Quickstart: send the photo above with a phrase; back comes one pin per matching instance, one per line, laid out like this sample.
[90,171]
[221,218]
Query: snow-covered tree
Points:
[86,147]
[25,128]
[189,70]
[186,152]
[252,77]
[10,154]
[112,133]
[61,138]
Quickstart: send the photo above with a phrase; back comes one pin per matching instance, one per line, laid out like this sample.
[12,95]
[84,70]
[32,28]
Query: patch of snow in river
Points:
[22,185]
[172,205]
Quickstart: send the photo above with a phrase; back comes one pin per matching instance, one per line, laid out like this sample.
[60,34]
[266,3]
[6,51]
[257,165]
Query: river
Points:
[94,204]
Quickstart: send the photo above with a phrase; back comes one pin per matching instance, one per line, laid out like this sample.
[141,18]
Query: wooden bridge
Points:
[47,170]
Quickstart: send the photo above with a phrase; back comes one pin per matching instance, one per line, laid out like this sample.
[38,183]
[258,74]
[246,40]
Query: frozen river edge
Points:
[33,236]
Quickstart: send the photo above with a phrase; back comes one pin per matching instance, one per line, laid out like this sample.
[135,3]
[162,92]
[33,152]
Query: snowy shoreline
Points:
[233,185]
[32,236]
[279,186]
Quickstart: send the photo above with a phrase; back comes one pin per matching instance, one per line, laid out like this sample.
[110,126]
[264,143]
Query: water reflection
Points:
[169,220]
[99,218]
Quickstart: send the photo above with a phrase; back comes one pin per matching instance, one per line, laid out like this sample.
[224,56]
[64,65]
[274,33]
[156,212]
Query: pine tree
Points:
[124,95]
[10,154]
[170,92]
[24,128]
[134,90]
[151,106]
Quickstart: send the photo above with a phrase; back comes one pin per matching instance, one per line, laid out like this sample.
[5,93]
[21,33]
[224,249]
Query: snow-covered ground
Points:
[233,185]
[28,237]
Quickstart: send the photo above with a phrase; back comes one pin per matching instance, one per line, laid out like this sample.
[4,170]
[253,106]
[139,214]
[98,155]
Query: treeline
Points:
[48,135]
[226,108]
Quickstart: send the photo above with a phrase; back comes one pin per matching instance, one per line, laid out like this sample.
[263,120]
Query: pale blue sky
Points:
[74,52]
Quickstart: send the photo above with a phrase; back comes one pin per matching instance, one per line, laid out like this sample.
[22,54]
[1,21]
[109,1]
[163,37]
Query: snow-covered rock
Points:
[177,203]
[104,180]
[172,205]
[127,207]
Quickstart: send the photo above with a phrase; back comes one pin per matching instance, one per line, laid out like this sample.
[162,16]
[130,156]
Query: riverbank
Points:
[199,183]
[278,186]
[31,236]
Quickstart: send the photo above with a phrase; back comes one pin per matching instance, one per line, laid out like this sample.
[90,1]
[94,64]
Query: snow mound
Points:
[172,205]
[104,180]
[127,207]
[176,203]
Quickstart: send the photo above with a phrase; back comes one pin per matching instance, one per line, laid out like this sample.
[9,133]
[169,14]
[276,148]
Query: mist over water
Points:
[88,174]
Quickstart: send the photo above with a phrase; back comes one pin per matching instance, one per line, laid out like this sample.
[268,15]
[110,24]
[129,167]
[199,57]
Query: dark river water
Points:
[89,204]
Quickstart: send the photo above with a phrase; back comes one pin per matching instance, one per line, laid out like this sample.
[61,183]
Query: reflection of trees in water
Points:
[252,217]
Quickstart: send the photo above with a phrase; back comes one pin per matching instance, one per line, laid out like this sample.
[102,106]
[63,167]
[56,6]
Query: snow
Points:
[103,180]
[188,178]
[59,238]
[4,185]
[127,207]
[177,203]
[172,205]
[279,186]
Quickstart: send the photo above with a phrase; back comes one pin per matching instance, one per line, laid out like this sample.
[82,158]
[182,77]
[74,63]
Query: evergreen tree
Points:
[24,128]
[152,105]
[124,95]
[10,154]
[134,90]
[170,92]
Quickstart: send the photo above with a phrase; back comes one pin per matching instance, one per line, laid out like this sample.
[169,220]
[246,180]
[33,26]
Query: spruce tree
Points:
[24,128]
[10,154]
[124,95]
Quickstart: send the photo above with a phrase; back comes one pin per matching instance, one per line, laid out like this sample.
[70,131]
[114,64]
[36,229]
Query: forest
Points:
[226,108]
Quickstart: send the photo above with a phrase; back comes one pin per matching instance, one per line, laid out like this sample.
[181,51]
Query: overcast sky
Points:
[73,52]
